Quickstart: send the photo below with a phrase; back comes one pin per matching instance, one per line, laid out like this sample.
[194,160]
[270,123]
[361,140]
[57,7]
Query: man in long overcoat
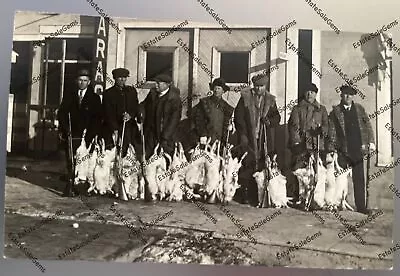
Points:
[120,103]
[353,138]
[84,107]
[162,110]
[256,107]
[212,114]
[308,119]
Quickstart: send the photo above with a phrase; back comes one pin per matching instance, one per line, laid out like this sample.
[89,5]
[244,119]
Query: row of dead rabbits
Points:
[205,176]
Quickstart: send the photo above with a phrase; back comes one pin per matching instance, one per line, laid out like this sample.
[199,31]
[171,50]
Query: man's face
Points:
[83,82]
[121,81]
[259,89]
[310,96]
[347,99]
[218,91]
[162,86]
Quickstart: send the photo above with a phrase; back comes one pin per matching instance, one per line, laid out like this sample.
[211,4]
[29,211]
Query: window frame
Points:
[142,61]
[216,61]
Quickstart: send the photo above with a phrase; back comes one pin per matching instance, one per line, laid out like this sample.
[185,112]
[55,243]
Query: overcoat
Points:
[304,117]
[211,118]
[116,101]
[245,120]
[86,115]
[161,119]
[337,132]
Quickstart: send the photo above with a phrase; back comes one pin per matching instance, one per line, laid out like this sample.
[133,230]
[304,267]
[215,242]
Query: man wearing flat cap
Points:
[120,104]
[352,136]
[84,107]
[212,114]
[255,110]
[307,120]
[162,110]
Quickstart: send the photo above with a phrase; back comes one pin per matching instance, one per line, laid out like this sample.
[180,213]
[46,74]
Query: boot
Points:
[246,199]
[68,190]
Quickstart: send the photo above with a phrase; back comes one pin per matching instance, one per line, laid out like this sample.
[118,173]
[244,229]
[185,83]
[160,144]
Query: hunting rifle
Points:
[315,176]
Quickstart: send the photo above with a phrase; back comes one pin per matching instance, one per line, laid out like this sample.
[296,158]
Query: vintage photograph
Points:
[209,143]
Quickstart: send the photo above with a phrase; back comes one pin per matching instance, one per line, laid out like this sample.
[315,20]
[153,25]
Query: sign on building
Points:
[100,54]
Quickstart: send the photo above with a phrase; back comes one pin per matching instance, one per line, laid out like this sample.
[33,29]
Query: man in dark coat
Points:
[256,107]
[307,120]
[84,107]
[162,110]
[213,114]
[120,104]
[352,135]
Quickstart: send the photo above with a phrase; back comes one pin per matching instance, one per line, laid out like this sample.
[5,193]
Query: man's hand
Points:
[115,136]
[265,121]
[203,140]
[126,117]
[140,117]
[372,147]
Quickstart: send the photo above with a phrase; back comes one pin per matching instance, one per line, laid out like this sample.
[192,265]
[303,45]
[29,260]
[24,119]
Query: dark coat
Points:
[304,117]
[115,103]
[246,125]
[208,116]
[87,115]
[337,133]
[160,124]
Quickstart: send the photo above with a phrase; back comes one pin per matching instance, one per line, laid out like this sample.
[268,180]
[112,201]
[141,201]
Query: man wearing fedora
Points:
[120,104]
[161,110]
[213,114]
[308,120]
[353,138]
[255,109]
[84,107]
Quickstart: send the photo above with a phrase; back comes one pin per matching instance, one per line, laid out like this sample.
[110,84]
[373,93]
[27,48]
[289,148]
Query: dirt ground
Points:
[186,236]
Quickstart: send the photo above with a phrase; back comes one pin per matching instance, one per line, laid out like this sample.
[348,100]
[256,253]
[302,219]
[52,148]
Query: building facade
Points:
[193,54]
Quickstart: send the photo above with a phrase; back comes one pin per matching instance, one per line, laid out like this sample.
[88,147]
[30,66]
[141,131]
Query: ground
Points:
[185,236]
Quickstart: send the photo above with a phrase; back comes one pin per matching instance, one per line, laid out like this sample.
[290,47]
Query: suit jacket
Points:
[87,115]
[337,133]
[205,124]
[304,117]
[160,124]
[115,103]
[245,123]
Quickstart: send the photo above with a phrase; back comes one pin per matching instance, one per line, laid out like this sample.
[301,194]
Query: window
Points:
[62,59]
[234,66]
[158,63]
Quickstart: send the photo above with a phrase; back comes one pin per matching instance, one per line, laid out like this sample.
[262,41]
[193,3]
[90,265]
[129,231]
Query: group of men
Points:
[117,114]
[346,130]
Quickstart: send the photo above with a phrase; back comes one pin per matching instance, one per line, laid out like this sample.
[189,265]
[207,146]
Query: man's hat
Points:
[259,80]
[219,82]
[84,72]
[163,78]
[346,89]
[120,72]
[311,87]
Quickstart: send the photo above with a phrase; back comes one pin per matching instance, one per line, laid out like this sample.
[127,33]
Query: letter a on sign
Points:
[102,27]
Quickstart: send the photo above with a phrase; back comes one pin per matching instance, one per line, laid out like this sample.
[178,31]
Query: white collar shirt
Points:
[163,93]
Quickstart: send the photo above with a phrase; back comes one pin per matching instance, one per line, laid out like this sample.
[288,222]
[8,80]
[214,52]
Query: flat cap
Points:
[120,72]
[311,87]
[346,89]
[259,80]
[163,78]
[84,72]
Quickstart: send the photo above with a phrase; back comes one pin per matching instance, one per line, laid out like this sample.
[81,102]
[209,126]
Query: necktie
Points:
[80,96]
